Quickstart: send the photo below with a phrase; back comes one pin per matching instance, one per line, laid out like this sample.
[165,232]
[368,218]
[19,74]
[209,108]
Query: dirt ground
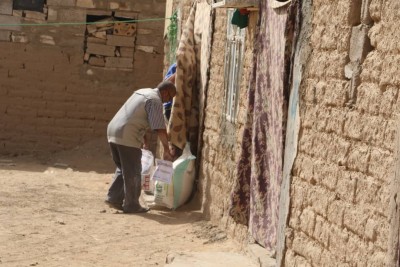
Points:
[52,214]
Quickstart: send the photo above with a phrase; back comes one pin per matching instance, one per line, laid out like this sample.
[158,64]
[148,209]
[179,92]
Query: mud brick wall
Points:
[348,105]
[55,92]
[222,140]
[182,7]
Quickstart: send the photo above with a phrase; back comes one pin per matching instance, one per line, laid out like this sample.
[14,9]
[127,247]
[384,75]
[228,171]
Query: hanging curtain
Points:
[193,57]
[255,197]
[185,82]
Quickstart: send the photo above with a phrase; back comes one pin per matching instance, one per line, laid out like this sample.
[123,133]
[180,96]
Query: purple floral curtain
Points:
[256,193]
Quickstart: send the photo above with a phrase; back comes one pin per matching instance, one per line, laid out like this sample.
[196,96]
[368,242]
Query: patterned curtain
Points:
[255,197]
[185,81]
[193,58]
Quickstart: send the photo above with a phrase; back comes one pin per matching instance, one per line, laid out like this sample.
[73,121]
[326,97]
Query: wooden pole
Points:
[394,217]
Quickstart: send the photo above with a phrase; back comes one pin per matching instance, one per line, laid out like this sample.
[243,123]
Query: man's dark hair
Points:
[167,85]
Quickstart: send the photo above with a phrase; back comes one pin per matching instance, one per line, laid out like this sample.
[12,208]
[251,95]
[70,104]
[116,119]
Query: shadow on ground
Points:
[93,156]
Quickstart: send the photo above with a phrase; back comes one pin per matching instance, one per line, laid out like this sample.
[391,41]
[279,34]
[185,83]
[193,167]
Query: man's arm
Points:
[156,120]
[145,146]
[162,134]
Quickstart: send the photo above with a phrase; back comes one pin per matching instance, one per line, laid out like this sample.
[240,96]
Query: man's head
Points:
[167,91]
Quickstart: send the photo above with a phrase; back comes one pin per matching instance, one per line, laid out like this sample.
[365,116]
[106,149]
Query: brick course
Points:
[340,216]
[48,91]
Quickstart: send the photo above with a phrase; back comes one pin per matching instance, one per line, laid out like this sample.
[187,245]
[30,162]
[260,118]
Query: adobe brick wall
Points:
[348,105]
[222,140]
[50,99]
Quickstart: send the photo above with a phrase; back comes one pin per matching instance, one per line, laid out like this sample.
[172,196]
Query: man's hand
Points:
[162,134]
[172,150]
[145,146]
[167,155]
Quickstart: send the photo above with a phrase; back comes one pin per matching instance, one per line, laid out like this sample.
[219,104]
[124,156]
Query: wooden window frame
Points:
[234,53]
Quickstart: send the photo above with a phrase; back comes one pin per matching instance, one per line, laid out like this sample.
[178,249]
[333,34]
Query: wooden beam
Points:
[394,216]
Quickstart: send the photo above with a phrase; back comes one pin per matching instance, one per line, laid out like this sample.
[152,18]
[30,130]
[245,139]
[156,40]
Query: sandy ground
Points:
[52,214]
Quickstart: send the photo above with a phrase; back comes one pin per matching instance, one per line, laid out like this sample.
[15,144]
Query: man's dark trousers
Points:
[127,185]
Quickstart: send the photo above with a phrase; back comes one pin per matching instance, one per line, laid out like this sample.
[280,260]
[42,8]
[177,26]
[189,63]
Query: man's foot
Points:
[117,206]
[139,210]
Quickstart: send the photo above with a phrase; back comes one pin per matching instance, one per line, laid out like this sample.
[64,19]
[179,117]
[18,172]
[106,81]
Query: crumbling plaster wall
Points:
[50,99]
[340,189]
[222,140]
